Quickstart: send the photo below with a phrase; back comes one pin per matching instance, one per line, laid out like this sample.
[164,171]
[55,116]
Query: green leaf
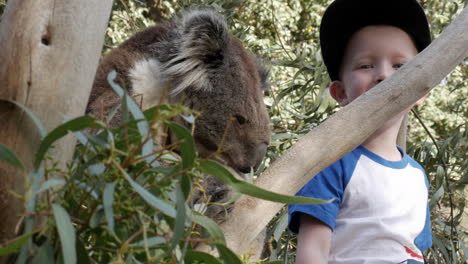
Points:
[179,226]
[280,227]
[62,130]
[34,118]
[108,200]
[36,177]
[227,255]
[150,242]
[96,217]
[10,157]
[201,257]
[210,226]
[436,196]
[186,184]
[96,169]
[152,200]
[187,147]
[188,118]
[221,173]
[440,245]
[50,183]
[143,126]
[125,117]
[66,233]
[45,253]
[15,244]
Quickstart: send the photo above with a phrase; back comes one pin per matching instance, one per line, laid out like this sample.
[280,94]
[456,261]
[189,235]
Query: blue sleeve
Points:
[424,240]
[328,184]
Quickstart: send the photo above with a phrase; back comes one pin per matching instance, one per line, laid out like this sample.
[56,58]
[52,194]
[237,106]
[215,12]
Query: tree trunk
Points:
[49,55]
[345,130]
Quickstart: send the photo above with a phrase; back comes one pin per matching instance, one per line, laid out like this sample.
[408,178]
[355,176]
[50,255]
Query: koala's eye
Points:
[240,119]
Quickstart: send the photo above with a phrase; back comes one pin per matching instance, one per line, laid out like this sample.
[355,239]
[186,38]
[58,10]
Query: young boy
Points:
[380,212]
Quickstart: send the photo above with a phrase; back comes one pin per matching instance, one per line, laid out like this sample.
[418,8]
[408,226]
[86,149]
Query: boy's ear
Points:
[338,93]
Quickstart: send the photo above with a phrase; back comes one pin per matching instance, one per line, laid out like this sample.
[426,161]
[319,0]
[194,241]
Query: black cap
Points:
[344,17]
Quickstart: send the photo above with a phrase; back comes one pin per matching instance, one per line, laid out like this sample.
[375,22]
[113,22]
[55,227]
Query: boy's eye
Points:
[365,66]
[398,65]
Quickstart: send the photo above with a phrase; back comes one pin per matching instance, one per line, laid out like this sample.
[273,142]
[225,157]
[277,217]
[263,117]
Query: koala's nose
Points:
[260,152]
[254,159]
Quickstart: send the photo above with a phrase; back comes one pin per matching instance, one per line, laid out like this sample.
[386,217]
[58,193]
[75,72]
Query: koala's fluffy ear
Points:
[264,72]
[202,39]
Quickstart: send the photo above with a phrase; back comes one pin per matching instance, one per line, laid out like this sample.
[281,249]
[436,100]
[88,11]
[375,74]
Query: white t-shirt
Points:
[380,213]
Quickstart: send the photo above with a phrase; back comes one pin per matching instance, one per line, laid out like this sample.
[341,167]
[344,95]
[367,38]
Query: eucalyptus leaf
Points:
[66,233]
[152,200]
[81,137]
[9,157]
[36,177]
[188,118]
[37,122]
[134,109]
[179,226]
[441,247]
[45,253]
[49,184]
[108,200]
[97,217]
[187,147]
[125,117]
[61,131]
[436,196]
[210,226]
[281,226]
[227,255]
[221,173]
[15,245]
[96,169]
[150,242]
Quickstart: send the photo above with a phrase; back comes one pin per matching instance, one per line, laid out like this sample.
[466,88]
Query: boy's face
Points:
[372,55]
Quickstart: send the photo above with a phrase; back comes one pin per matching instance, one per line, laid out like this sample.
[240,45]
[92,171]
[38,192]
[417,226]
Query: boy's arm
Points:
[313,241]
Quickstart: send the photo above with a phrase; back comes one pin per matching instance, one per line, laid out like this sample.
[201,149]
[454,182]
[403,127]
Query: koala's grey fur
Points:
[197,58]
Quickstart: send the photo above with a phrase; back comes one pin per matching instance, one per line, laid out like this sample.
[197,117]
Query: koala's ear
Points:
[264,72]
[202,39]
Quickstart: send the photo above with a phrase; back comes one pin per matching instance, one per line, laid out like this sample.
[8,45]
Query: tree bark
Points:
[345,130]
[401,139]
[49,55]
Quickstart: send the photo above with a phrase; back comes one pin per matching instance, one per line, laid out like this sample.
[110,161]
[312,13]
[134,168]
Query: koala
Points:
[195,58]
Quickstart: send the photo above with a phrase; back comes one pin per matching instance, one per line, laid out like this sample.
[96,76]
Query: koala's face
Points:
[234,118]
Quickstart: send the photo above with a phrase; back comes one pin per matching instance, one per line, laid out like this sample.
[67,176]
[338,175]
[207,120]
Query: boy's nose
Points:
[383,72]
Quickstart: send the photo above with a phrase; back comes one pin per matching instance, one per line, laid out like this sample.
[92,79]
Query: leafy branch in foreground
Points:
[119,201]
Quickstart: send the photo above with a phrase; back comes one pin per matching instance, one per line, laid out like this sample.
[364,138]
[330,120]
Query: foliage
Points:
[285,33]
[2,7]
[123,197]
